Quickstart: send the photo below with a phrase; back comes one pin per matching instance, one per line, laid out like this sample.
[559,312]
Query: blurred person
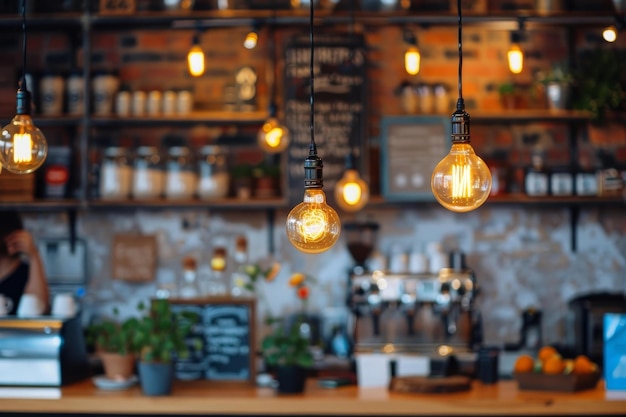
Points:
[21,267]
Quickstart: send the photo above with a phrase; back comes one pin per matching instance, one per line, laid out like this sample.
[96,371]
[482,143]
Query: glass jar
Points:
[181,178]
[115,174]
[148,173]
[214,178]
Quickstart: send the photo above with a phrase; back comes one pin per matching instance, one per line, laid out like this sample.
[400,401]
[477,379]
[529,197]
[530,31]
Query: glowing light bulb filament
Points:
[461,182]
[352,193]
[22,148]
[195,60]
[516,59]
[272,137]
[412,60]
[313,225]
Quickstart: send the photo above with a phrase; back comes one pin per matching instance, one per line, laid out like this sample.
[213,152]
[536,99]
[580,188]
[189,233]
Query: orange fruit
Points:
[545,353]
[553,365]
[524,363]
[582,365]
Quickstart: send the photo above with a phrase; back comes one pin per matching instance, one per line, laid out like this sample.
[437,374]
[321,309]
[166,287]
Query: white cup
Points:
[30,306]
[6,304]
[139,103]
[122,103]
[154,102]
[51,89]
[105,87]
[373,370]
[63,305]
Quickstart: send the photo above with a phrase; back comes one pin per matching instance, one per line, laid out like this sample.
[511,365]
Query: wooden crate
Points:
[17,187]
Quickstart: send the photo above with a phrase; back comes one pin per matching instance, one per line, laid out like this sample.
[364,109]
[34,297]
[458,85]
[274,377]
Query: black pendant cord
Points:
[272,45]
[460,118]
[312,147]
[350,157]
[22,84]
[460,35]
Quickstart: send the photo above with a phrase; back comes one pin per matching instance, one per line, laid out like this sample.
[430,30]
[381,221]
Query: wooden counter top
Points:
[211,398]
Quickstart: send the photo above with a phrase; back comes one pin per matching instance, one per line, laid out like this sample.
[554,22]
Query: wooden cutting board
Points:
[430,385]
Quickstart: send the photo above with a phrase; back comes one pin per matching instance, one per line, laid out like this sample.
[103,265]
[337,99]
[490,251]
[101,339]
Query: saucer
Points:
[105,383]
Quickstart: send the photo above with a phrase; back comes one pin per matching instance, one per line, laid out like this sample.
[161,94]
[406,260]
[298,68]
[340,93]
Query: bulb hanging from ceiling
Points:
[609,33]
[273,136]
[515,54]
[195,57]
[461,181]
[23,147]
[313,226]
[251,38]
[412,56]
[351,191]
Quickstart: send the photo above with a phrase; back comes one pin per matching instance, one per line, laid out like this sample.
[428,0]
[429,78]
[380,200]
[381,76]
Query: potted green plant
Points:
[266,180]
[161,335]
[242,180]
[599,87]
[557,82]
[114,341]
[286,349]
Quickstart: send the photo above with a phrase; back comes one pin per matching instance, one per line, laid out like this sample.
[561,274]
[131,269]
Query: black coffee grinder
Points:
[361,238]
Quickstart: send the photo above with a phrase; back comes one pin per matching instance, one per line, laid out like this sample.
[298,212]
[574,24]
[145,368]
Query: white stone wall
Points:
[521,256]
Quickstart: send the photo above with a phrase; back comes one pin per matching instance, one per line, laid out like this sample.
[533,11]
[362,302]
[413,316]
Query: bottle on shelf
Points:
[536,181]
[189,283]
[239,277]
[218,279]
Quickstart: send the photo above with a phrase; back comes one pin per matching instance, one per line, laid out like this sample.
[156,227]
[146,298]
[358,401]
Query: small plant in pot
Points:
[285,349]
[161,335]
[114,341]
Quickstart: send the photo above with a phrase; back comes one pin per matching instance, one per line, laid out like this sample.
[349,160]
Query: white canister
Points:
[184,102]
[169,102]
[154,103]
[75,93]
[418,263]
[51,88]
[398,260]
[104,86]
[139,103]
[438,261]
[123,103]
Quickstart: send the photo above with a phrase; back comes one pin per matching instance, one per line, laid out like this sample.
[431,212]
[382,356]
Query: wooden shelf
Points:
[217,117]
[531,115]
[515,199]
[42,205]
[217,204]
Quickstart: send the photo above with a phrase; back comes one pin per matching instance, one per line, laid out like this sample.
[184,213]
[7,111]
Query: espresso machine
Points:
[410,312]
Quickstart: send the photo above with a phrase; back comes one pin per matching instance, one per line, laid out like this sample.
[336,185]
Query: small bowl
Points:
[561,382]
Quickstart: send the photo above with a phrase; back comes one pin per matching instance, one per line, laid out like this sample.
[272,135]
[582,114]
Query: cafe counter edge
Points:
[227,398]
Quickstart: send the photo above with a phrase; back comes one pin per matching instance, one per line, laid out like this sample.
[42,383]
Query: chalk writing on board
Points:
[227,336]
[340,86]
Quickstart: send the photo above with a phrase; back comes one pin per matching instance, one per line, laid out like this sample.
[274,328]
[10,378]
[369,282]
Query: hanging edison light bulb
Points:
[412,55]
[23,147]
[195,57]
[461,181]
[515,55]
[609,33]
[273,136]
[351,191]
[251,39]
[313,226]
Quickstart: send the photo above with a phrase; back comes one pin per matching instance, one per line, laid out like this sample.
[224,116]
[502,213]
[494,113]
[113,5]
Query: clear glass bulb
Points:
[609,34]
[313,226]
[461,181]
[251,40]
[195,61]
[516,59]
[351,192]
[273,137]
[23,147]
[412,60]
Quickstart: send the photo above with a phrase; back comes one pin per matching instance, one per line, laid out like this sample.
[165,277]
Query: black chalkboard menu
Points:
[222,345]
[340,105]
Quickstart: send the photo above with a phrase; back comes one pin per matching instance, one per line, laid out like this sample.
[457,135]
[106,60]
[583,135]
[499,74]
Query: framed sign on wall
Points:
[411,147]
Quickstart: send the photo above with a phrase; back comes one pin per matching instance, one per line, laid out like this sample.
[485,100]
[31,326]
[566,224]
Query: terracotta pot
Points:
[117,366]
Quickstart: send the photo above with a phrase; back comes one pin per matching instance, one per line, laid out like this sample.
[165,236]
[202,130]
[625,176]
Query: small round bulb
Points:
[23,147]
[273,137]
[412,60]
[461,181]
[516,59]
[313,226]
[195,61]
[251,40]
[609,34]
[351,192]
